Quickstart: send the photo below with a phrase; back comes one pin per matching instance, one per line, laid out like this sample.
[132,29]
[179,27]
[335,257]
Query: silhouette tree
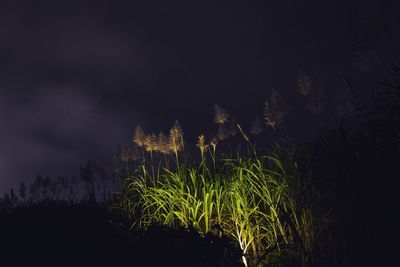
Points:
[55,190]
[6,201]
[101,177]
[33,192]
[22,192]
[72,192]
[13,197]
[46,187]
[37,188]
[87,175]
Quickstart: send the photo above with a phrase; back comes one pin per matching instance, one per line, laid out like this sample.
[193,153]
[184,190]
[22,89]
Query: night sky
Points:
[76,77]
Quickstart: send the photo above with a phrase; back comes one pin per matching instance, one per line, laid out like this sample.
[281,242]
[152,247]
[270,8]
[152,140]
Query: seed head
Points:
[139,138]
[176,137]
[150,143]
[201,143]
[127,154]
[163,144]
[220,115]
[214,143]
[273,110]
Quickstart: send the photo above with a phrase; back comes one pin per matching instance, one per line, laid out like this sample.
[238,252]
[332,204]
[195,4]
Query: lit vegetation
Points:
[266,203]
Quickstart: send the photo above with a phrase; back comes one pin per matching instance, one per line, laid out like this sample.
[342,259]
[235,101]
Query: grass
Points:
[264,203]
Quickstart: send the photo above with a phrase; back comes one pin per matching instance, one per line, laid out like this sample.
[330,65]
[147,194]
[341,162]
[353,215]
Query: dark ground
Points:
[53,235]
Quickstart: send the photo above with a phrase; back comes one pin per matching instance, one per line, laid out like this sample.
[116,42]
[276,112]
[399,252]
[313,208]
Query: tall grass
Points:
[261,202]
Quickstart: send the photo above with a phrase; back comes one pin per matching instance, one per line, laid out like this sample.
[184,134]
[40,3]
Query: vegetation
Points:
[296,204]
[266,202]
[325,203]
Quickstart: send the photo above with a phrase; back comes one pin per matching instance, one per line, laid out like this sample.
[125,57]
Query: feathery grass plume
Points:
[150,143]
[214,143]
[201,144]
[256,127]
[220,115]
[127,154]
[176,137]
[273,110]
[304,83]
[176,140]
[163,144]
[139,137]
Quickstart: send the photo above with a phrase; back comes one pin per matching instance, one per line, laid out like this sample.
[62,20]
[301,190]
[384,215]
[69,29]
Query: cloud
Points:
[53,130]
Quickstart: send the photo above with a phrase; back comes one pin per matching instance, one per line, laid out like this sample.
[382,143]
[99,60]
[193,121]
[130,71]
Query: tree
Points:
[87,175]
[73,183]
[13,197]
[37,188]
[6,202]
[46,186]
[22,191]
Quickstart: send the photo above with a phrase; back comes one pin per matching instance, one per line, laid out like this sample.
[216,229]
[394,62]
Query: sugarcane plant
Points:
[264,203]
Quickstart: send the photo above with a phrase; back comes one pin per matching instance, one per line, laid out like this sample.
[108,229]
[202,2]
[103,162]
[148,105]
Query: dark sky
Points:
[76,77]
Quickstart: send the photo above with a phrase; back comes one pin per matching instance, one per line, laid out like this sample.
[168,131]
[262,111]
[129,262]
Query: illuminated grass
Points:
[262,202]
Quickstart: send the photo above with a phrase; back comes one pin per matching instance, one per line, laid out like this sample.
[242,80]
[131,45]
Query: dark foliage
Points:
[358,162]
